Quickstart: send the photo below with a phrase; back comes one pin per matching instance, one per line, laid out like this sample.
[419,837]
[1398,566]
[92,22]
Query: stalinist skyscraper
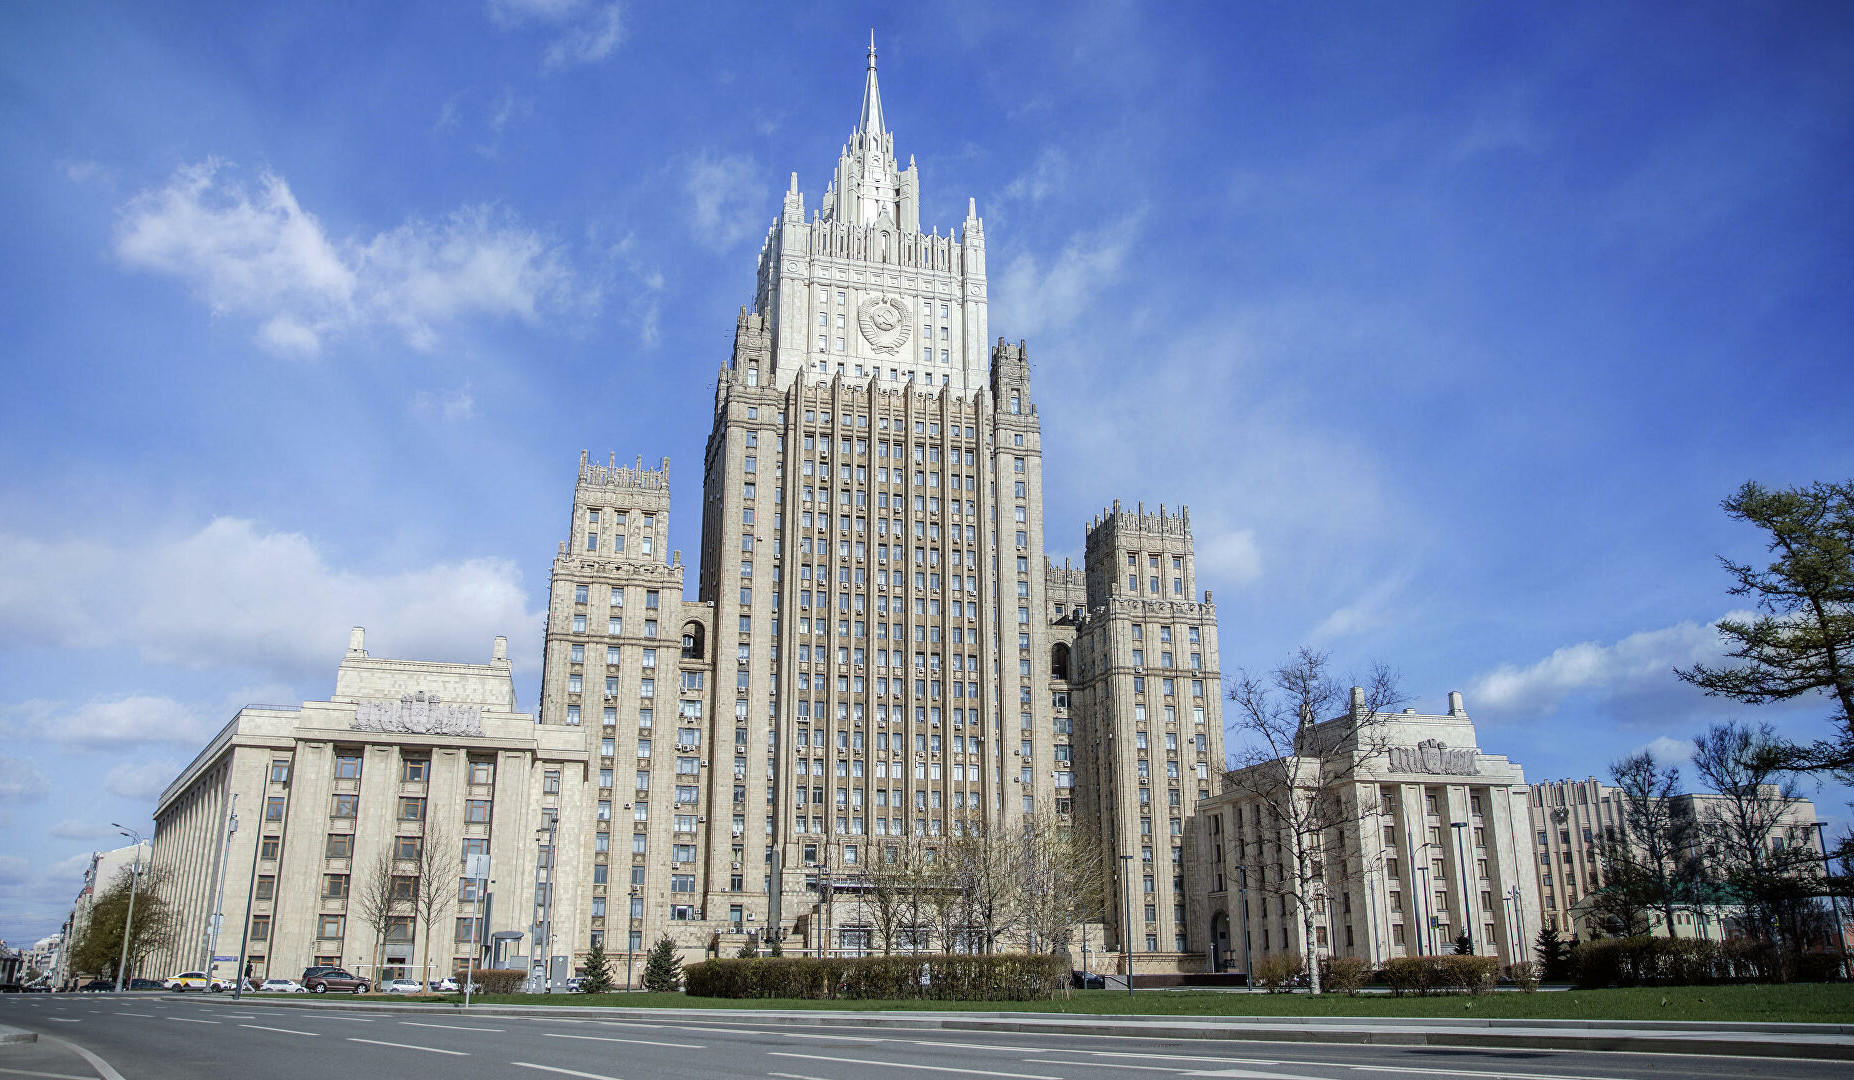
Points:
[879,648]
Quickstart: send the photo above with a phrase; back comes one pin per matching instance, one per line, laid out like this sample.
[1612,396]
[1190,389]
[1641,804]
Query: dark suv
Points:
[320,980]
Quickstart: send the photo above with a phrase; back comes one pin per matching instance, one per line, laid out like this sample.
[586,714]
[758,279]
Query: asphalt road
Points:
[158,1037]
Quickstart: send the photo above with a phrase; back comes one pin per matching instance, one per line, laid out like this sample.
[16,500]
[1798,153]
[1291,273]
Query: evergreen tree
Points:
[663,968]
[747,950]
[1800,640]
[1554,955]
[597,976]
[1463,945]
[776,949]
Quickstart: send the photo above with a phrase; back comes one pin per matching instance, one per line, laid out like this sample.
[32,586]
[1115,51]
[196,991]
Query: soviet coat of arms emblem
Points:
[884,321]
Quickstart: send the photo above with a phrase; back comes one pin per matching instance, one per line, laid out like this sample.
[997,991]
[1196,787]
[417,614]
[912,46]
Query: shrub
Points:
[1525,975]
[498,980]
[1343,974]
[663,968]
[997,977]
[1449,974]
[1276,971]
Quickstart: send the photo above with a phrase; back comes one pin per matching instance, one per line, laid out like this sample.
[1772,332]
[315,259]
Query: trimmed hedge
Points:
[1449,974]
[998,977]
[1659,961]
[498,980]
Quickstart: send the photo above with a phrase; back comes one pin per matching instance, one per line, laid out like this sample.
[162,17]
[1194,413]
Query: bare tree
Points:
[1063,881]
[982,861]
[375,902]
[1304,773]
[1651,861]
[891,892]
[1746,766]
[440,867]
[97,944]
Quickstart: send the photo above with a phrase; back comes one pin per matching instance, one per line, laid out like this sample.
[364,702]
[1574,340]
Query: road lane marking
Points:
[409,1046]
[65,1019]
[51,1076]
[125,1012]
[453,1027]
[1105,1065]
[808,1035]
[191,1020]
[1253,1074]
[286,1031]
[613,1039]
[104,1069]
[563,1072]
[795,1076]
[928,1068]
[240,1016]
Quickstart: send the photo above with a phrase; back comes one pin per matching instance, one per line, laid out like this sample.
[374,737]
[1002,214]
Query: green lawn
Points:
[1808,1003]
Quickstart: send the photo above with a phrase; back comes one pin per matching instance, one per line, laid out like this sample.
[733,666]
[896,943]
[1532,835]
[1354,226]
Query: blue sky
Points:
[1452,323]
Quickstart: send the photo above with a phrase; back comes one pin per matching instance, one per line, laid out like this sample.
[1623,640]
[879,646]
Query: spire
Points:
[870,122]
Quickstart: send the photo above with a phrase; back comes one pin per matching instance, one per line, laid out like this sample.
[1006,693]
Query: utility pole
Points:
[1126,928]
[546,946]
[630,937]
[1425,916]
[218,900]
[244,940]
[476,867]
[128,920]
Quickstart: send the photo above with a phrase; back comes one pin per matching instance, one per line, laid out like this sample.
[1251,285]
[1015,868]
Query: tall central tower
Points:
[858,290]
[872,539]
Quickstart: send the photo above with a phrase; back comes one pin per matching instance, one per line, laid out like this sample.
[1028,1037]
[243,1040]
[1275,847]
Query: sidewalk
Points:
[1831,1042]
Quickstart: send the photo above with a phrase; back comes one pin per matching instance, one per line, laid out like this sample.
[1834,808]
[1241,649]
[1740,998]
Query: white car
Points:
[444,986]
[196,980]
[400,986]
[282,986]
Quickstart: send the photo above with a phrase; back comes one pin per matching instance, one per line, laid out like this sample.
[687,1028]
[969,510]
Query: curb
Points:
[1689,1038]
[11,1035]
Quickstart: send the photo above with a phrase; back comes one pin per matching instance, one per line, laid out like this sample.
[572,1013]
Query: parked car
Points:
[282,986]
[97,986]
[573,984]
[1087,980]
[145,984]
[444,986]
[320,980]
[196,980]
[400,986]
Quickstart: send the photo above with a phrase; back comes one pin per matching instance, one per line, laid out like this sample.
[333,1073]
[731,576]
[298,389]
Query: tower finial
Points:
[870,122]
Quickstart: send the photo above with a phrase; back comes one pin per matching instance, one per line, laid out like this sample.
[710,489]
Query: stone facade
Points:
[1400,881]
[402,751]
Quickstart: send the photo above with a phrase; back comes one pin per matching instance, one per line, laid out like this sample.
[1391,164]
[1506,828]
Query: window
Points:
[347,766]
[269,848]
[411,808]
[407,847]
[335,886]
[413,770]
[482,772]
[399,928]
[273,808]
[405,887]
[260,928]
[280,771]
[476,811]
[346,806]
[328,927]
[266,887]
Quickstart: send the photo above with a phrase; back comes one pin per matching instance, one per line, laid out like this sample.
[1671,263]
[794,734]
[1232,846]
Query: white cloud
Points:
[1233,556]
[260,255]
[70,829]
[1641,664]
[587,31]
[1037,294]
[726,200]
[235,595]
[1045,177]
[1668,750]
[21,779]
[459,404]
[142,781]
[133,718]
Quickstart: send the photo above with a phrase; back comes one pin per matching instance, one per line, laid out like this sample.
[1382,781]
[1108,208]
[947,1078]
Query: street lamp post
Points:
[546,945]
[244,940]
[128,920]
[1524,943]
[218,901]
[1467,909]
[1841,944]
[1126,928]
[1242,892]
[1425,916]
